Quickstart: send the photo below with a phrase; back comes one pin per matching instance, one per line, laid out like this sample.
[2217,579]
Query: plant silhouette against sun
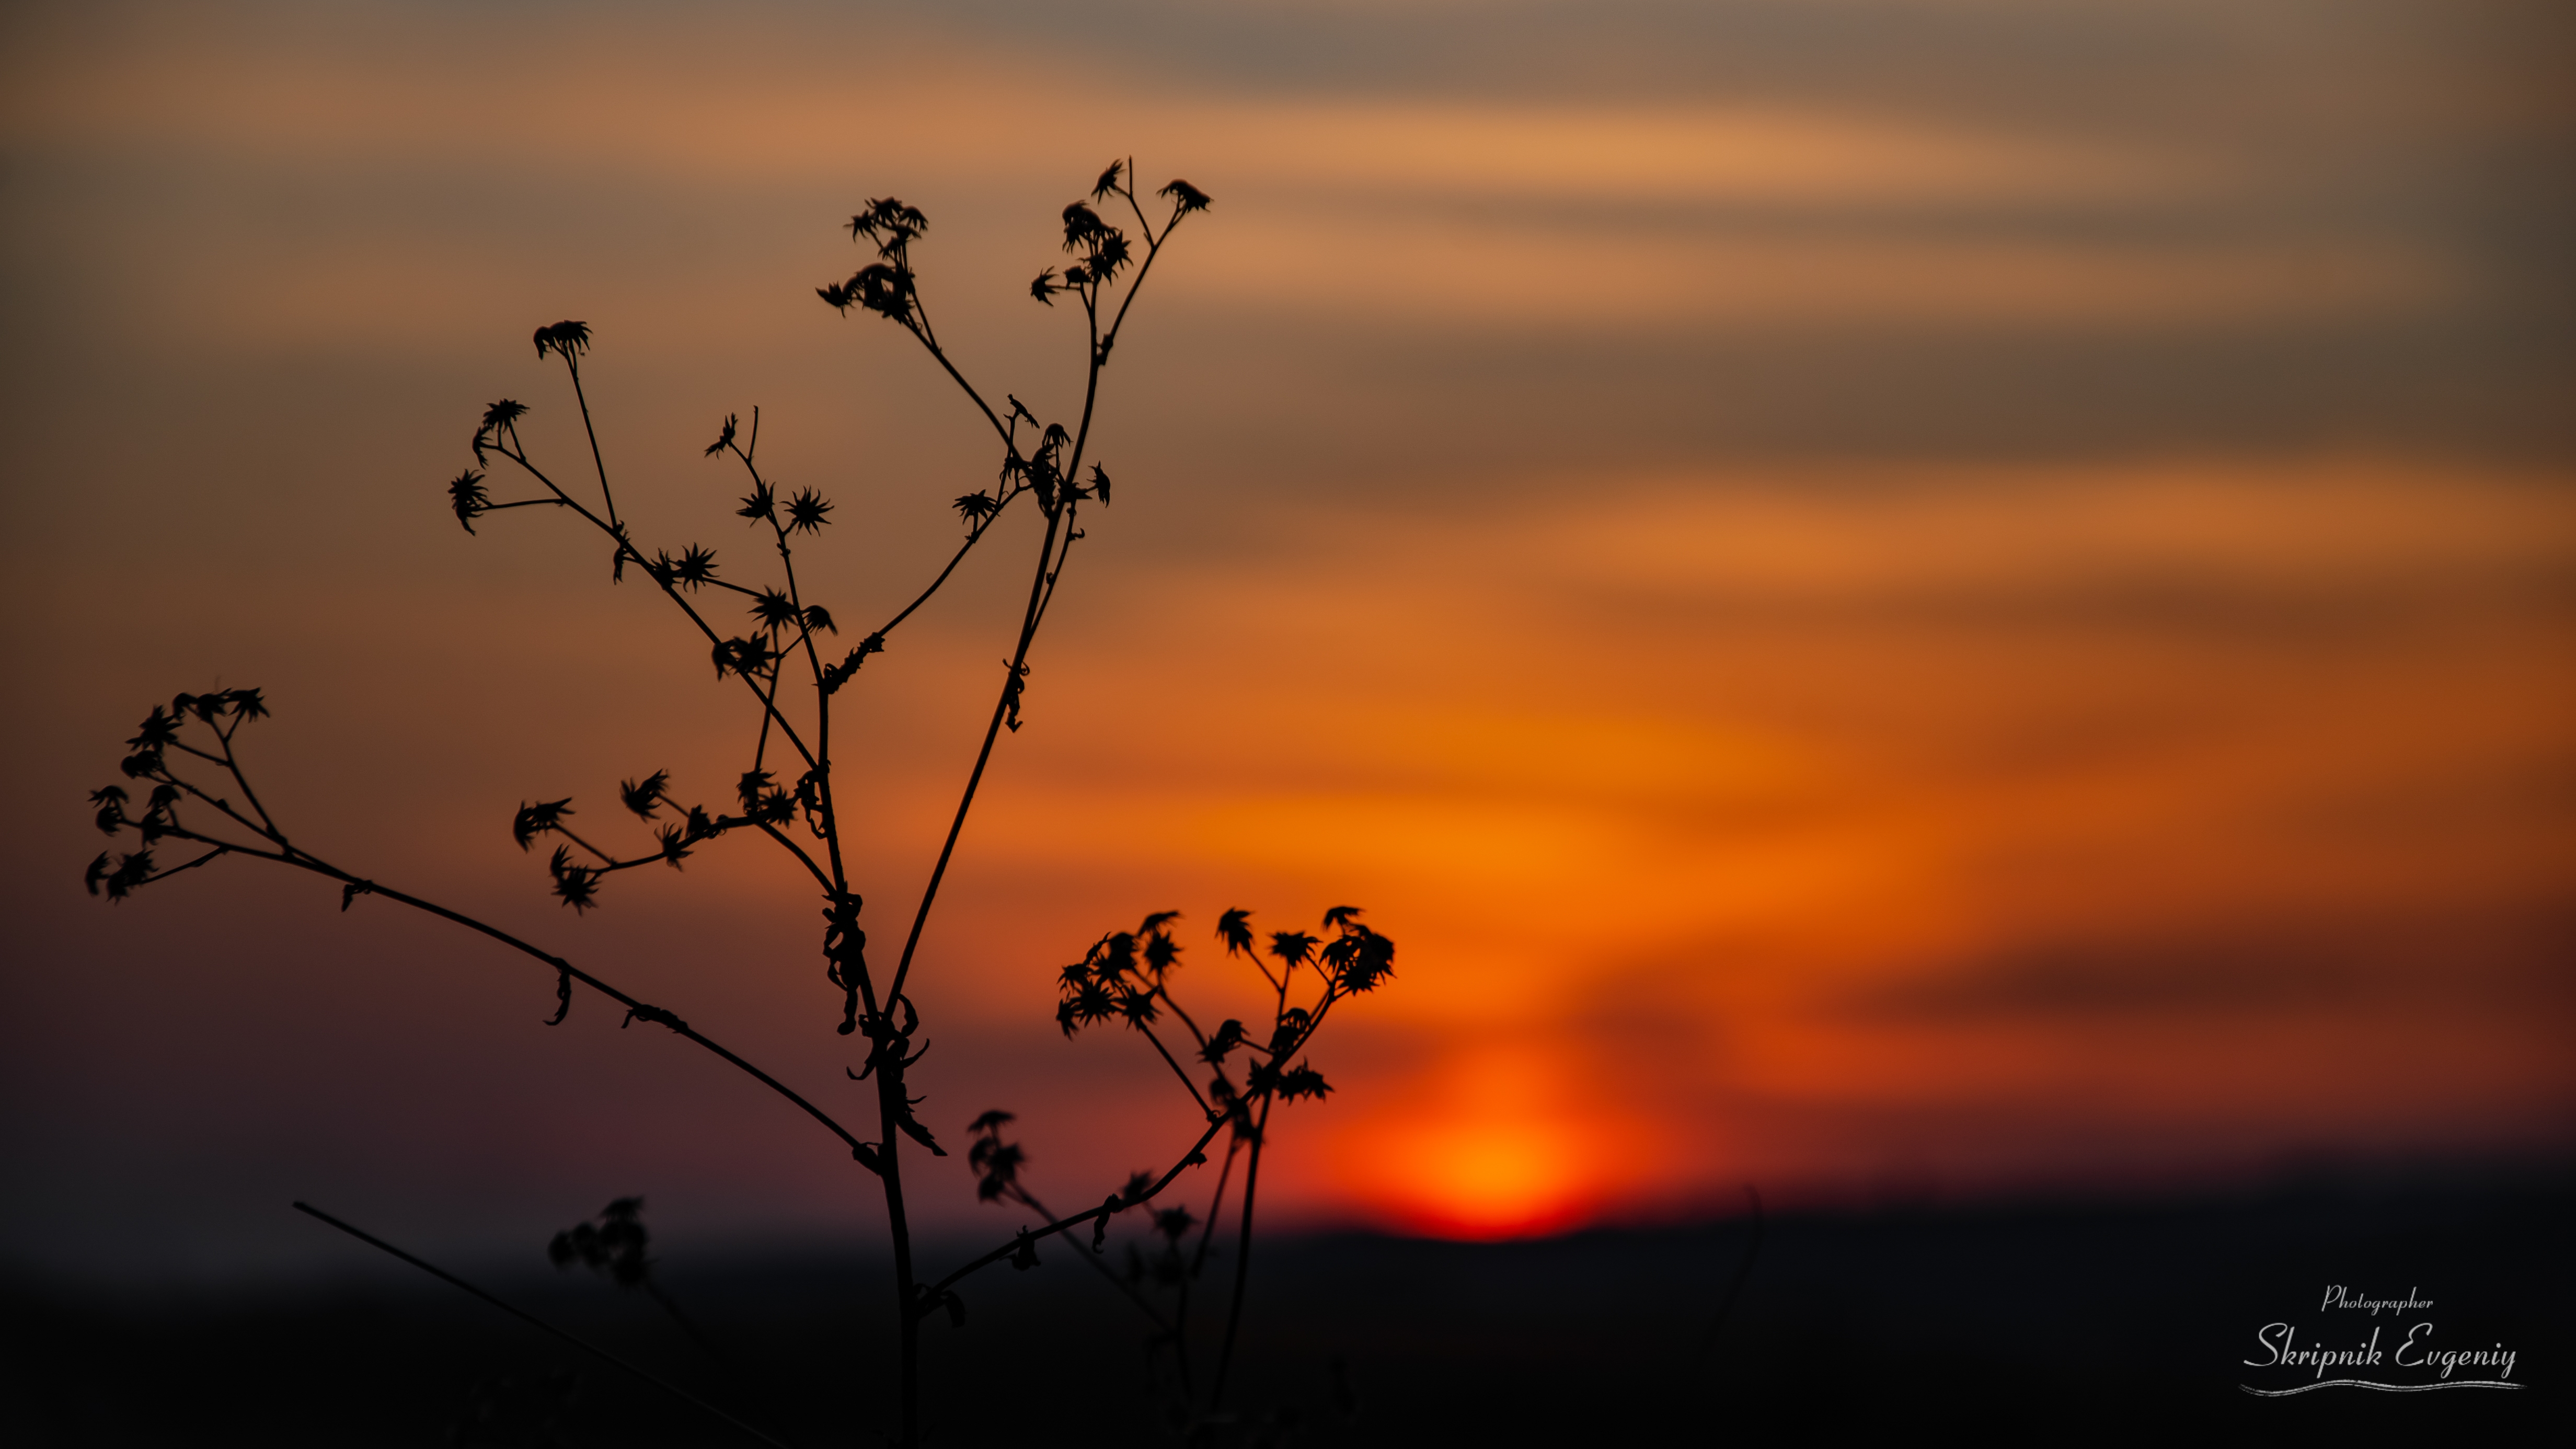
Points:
[786,655]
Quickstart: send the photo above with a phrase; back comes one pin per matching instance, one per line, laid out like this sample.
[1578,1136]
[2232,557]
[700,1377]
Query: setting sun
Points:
[1495,1178]
[1488,1146]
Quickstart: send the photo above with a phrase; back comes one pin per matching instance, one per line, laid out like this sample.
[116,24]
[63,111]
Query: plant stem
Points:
[983,756]
[890,1109]
[597,463]
[1242,1261]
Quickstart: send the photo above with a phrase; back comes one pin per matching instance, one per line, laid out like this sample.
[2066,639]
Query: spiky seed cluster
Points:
[576,882]
[1125,976]
[1103,250]
[224,711]
[780,621]
[884,286]
[1119,977]
[568,340]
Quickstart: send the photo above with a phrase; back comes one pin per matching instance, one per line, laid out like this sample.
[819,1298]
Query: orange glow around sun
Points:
[1798,738]
[1484,1179]
[1482,1151]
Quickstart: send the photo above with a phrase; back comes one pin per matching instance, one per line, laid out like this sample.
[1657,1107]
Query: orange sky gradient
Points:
[1876,616]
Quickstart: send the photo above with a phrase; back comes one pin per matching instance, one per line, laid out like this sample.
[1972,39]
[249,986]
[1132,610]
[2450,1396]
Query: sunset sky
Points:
[1887,598]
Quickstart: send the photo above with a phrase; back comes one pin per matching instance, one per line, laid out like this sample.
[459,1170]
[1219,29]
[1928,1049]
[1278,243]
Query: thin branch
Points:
[573,366]
[232,767]
[1002,708]
[1242,1261]
[1167,1056]
[864,1153]
[1216,1205]
[1107,1275]
[792,848]
[1153,249]
[191,865]
[669,589]
[922,332]
[972,538]
[1197,1155]
[1182,1012]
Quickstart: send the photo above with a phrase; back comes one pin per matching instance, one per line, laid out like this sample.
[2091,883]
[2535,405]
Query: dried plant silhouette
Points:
[791,666]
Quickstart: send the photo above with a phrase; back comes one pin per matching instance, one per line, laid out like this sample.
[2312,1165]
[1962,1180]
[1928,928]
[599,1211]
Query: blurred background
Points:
[1902,602]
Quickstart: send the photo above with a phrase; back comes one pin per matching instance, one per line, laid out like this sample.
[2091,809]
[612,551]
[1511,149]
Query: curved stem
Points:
[631,1003]
[828,884]
[863,1152]
[972,538]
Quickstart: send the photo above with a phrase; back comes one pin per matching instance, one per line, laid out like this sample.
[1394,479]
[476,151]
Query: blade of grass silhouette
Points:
[524,1316]
[1735,1285]
[696,1336]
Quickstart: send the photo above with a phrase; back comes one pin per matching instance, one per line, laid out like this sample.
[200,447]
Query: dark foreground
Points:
[2082,1324]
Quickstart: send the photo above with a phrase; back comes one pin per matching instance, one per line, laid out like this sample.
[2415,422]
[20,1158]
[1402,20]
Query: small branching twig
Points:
[617,1245]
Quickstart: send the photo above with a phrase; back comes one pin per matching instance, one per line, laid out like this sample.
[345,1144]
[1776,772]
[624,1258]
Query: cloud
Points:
[1460,211]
